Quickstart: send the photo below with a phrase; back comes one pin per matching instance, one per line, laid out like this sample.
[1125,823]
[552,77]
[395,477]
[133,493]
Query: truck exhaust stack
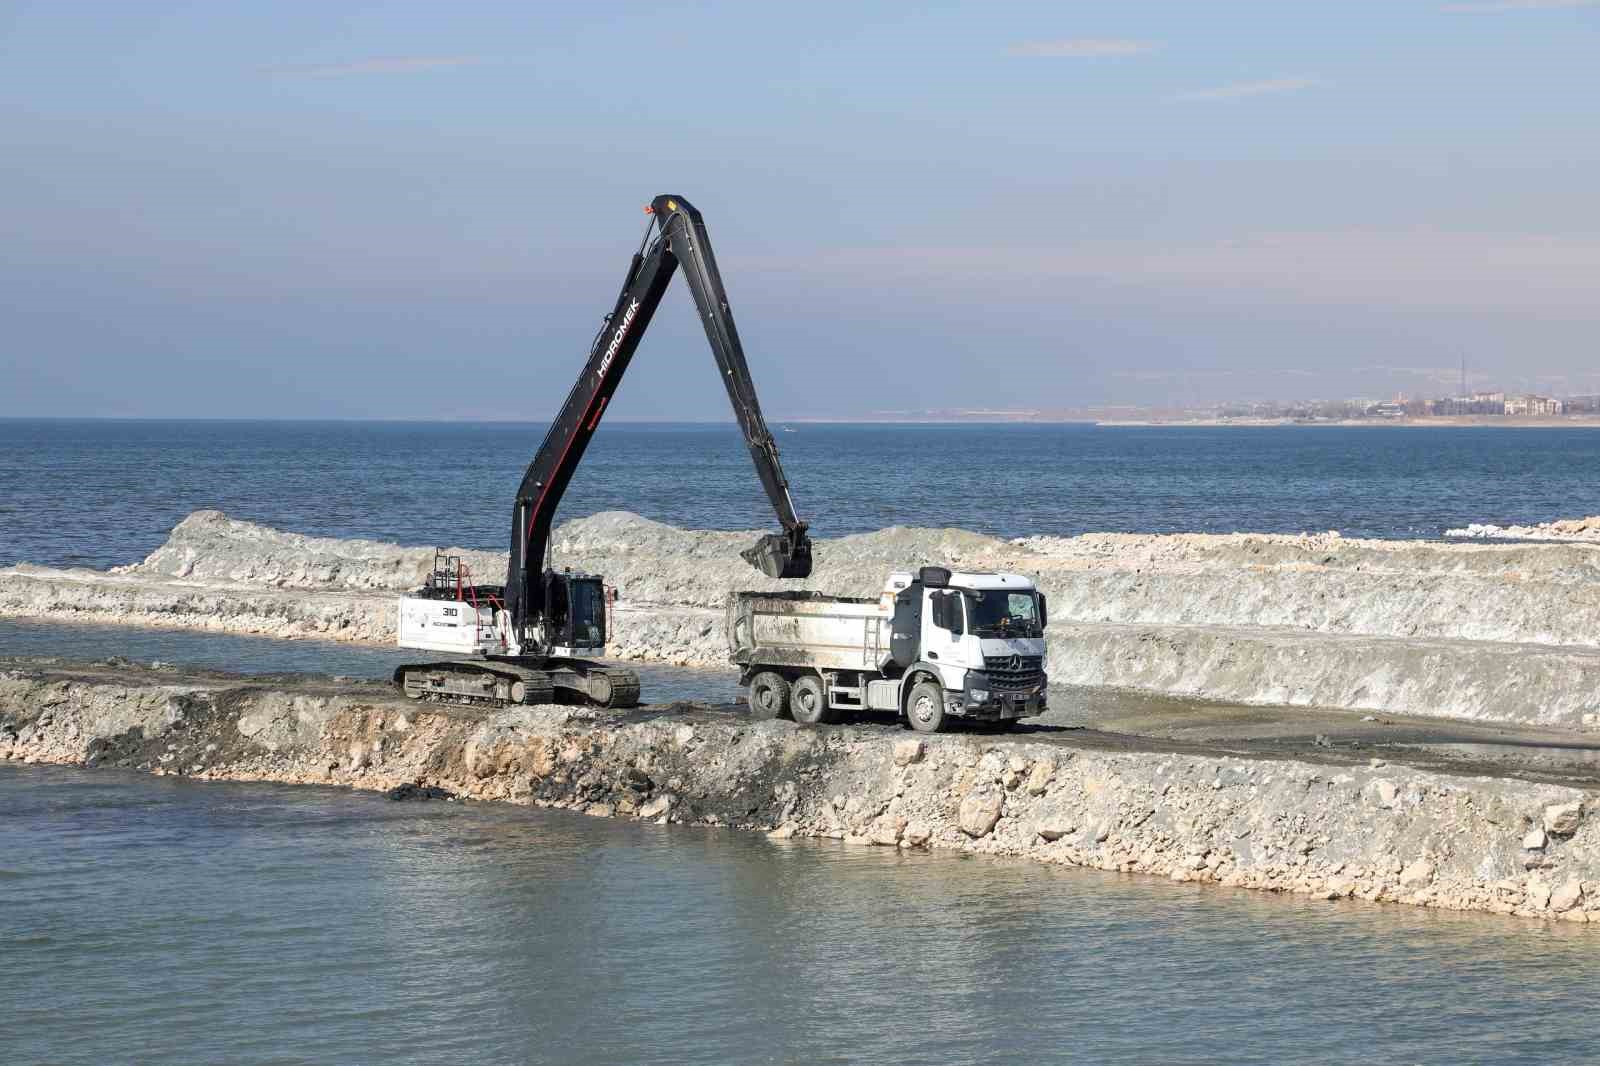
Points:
[781,555]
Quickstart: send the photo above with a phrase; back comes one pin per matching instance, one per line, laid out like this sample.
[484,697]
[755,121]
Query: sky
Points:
[408,210]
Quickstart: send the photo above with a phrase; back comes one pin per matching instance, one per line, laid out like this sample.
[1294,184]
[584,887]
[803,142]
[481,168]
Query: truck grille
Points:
[1014,671]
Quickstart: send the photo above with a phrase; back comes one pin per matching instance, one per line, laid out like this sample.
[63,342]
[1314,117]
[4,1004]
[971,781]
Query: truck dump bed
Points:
[807,629]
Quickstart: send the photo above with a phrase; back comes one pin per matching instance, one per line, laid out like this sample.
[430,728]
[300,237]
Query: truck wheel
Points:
[769,695]
[925,707]
[808,704]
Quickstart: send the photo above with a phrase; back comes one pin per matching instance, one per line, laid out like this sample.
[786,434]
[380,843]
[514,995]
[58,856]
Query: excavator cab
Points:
[574,613]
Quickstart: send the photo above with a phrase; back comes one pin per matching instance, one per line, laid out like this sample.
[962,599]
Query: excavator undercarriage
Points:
[512,681]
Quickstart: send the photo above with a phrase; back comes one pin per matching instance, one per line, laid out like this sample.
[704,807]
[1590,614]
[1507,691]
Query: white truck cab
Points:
[935,644]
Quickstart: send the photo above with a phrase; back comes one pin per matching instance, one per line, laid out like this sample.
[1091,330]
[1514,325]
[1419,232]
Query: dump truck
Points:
[934,646]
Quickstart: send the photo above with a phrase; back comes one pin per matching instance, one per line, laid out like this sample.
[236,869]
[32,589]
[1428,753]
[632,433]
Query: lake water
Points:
[103,493]
[162,920]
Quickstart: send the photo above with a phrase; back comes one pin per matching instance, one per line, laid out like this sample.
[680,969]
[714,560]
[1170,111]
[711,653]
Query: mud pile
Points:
[1506,632]
[1378,832]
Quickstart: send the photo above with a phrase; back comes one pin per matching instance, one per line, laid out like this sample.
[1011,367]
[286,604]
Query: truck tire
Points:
[769,695]
[925,707]
[808,704]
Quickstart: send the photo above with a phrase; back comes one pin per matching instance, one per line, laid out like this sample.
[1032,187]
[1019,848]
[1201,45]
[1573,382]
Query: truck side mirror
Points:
[1044,612]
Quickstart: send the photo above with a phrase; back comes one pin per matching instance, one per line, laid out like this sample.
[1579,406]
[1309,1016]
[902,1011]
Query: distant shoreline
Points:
[1445,422]
[779,424]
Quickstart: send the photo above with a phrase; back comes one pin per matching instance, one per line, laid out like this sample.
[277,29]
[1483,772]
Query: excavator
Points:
[531,639]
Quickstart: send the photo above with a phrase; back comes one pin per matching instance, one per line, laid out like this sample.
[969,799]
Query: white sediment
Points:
[1495,632]
[1576,530]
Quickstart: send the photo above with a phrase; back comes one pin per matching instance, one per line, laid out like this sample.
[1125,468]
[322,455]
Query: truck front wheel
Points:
[925,707]
[769,695]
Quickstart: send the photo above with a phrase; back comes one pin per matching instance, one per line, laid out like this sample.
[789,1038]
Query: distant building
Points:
[1386,409]
[1533,406]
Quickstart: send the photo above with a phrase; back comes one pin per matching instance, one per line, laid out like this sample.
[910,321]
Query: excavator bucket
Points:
[783,555]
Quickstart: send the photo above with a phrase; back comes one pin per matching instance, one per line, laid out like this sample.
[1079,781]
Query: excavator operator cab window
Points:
[575,612]
[588,615]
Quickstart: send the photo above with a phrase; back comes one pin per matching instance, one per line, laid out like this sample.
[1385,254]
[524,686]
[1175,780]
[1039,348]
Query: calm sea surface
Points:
[106,493]
[152,920]
[158,920]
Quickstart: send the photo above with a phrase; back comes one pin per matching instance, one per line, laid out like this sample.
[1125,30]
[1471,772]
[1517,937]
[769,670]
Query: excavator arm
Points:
[676,236]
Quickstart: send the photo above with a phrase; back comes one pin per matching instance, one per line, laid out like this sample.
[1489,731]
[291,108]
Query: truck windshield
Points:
[999,613]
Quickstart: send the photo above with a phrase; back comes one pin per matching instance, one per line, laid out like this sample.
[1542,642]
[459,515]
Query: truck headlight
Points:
[980,695]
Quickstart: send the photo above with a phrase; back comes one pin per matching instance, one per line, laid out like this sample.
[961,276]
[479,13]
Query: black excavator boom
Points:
[676,236]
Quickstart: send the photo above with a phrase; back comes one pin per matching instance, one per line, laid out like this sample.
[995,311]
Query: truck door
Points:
[943,623]
[905,634]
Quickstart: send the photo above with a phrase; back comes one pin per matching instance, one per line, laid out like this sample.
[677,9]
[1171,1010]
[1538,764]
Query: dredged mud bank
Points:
[1491,632]
[1373,831]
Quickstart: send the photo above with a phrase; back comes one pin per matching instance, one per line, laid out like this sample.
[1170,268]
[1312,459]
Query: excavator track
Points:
[501,683]
[494,684]
[582,681]
[621,687]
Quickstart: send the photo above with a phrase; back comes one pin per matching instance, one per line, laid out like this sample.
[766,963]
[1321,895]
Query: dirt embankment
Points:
[1374,832]
[1507,632]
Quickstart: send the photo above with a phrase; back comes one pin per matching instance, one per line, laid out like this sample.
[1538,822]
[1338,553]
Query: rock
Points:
[783,832]
[1417,874]
[1055,828]
[657,807]
[1010,780]
[1535,840]
[1567,896]
[1538,893]
[1102,832]
[907,752]
[979,811]
[413,792]
[1563,819]
[600,810]
[917,835]
[1385,793]
[885,832]
[1017,765]
[1039,777]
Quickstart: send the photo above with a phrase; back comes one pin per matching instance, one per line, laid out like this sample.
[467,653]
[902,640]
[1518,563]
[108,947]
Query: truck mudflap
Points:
[980,699]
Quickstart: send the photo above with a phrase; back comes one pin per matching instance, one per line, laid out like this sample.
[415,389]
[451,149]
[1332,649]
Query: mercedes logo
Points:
[1016,662]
